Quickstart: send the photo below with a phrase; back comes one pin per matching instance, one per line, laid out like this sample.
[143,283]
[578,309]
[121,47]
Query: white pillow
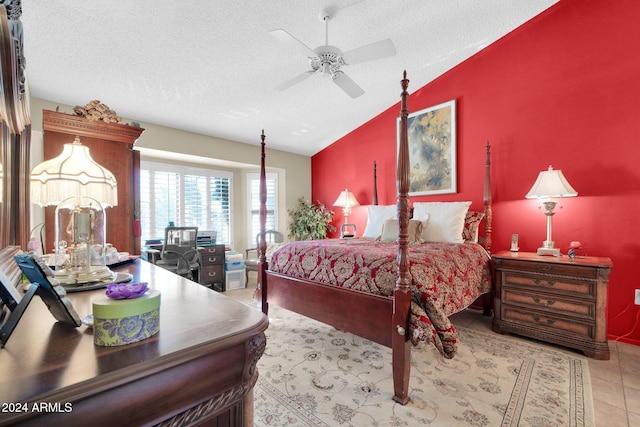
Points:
[446,220]
[376,218]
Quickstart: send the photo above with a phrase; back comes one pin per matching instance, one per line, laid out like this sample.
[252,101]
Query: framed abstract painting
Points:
[432,150]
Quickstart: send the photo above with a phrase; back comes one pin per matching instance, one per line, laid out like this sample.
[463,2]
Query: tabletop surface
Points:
[564,259]
[43,355]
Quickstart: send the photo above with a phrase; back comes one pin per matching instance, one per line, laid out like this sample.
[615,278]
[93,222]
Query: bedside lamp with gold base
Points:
[346,200]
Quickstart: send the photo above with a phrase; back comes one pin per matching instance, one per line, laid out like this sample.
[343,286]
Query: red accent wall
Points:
[563,90]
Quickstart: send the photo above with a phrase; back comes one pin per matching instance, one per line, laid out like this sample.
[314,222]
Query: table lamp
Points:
[346,200]
[81,189]
[550,185]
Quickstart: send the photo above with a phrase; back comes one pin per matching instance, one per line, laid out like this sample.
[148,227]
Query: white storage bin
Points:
[235,279]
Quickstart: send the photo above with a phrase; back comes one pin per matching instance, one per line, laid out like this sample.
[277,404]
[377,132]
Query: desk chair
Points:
[251,264]
[180,253]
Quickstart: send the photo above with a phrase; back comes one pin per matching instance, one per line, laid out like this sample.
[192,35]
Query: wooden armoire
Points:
[111,145]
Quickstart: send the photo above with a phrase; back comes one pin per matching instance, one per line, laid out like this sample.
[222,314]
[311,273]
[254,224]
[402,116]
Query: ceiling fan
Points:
[328,60]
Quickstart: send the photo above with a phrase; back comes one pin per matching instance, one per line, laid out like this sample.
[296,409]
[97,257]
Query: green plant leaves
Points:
[308,221]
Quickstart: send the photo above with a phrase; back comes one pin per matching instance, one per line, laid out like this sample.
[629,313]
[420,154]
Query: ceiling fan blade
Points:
[346,84]
[295,80]
[378,50]
[284,37]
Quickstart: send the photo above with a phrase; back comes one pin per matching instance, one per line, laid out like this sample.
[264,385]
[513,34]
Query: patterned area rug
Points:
[313,375]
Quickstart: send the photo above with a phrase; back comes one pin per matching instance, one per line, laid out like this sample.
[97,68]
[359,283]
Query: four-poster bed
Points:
[393,315]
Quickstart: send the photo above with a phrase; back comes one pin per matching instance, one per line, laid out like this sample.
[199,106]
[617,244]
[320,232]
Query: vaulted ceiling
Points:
[211,67]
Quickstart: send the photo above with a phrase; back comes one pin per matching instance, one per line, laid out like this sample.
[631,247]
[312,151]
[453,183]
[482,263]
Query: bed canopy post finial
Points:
[488,210]
[400,343]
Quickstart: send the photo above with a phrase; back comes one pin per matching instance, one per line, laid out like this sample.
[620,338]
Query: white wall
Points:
[160,143]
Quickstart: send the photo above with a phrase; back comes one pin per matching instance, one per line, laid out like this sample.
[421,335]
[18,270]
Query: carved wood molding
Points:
[13,83]
[255,348]
[54,121]
[96,110]
[204,409]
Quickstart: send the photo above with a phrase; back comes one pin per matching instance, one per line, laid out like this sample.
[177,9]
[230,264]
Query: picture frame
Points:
[432,150]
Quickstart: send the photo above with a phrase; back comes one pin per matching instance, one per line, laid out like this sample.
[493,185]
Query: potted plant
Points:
[309,221]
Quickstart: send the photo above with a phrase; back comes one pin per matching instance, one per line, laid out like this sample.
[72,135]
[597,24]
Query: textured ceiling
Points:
[210,66]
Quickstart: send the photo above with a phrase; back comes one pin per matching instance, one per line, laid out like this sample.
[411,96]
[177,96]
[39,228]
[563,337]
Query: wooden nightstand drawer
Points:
[549,283]
[546,320]
[211,259]
[213,250]
[566,269]
[550,303]
[212,274]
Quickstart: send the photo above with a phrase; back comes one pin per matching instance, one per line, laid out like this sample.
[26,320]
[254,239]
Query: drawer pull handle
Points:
[213,259]
[548,321]
[544,283]
[212,274]
[548,302]
[544,267]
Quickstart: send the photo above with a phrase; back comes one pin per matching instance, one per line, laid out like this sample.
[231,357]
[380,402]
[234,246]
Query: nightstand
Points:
[558,300]
[212,267]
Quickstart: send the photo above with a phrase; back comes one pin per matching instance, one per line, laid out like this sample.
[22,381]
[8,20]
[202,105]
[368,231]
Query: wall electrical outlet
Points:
[637,302]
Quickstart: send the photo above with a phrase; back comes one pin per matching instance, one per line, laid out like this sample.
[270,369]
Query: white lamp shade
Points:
[346,198]
[551,183]
[72,174]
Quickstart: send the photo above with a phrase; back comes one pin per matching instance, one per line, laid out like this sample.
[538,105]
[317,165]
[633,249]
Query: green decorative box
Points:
[125,321]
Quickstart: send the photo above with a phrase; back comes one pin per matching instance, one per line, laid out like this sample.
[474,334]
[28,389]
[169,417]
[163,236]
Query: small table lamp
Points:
[550,185]
[81,188]
[346,200]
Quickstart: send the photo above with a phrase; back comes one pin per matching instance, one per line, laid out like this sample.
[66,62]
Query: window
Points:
[185,196]
[253,180]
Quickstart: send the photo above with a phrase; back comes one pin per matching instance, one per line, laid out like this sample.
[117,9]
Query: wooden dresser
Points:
[199,369]
[559,300]
[212,267]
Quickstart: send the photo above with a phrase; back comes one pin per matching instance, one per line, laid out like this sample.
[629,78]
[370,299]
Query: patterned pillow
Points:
[390,231]
[271,248]
[471,224]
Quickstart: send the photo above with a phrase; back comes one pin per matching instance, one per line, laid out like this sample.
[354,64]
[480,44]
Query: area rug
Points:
[314,375]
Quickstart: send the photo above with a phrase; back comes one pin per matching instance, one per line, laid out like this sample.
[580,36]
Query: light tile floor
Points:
[615,383]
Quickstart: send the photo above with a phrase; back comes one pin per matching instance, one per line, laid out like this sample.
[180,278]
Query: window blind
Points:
[185,196]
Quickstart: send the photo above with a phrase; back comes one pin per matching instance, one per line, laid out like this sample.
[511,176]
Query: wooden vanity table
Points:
[199,369]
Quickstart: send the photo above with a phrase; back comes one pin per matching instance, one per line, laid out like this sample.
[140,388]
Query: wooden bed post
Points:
[262,246]
[400,344]
[488,219]
[488,212]
[375,185]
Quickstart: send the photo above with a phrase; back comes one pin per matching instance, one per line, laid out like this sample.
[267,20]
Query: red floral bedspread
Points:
[446,277]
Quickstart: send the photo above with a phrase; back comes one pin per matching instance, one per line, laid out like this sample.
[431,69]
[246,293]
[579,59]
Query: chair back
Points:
[178,241]
[270,236]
